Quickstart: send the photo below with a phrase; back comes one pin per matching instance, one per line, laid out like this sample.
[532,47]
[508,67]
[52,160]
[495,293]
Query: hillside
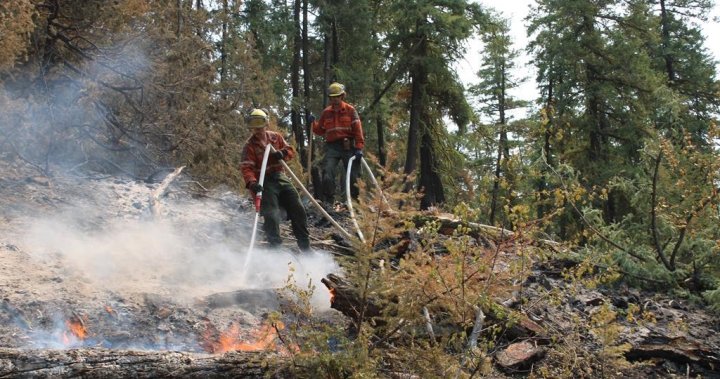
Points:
[85,265]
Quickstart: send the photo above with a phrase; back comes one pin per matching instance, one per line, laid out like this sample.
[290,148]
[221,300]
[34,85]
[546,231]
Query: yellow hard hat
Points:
[257,119]
[336,89]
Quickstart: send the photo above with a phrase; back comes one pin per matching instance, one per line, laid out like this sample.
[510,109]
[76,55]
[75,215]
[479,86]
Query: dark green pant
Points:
[279,192]
[334,155]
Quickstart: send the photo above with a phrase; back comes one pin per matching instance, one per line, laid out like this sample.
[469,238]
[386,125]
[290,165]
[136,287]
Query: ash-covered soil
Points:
[85,262]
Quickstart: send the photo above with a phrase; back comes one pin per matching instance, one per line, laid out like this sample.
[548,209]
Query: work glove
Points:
[358,153]
[255,187]
[279,155]
[310,118]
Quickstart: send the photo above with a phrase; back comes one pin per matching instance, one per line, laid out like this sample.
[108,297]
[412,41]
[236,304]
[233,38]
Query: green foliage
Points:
[317,348]
[445,278]
[713,298]
[636,136]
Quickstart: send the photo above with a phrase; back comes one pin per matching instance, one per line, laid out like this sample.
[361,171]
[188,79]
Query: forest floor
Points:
[93,251]
[87,262]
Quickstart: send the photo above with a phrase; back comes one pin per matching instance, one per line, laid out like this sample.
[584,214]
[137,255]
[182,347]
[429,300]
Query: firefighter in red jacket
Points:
[277,190]
[340,124]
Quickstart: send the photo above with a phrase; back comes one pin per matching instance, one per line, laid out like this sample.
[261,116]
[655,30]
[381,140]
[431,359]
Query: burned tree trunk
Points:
[104,363]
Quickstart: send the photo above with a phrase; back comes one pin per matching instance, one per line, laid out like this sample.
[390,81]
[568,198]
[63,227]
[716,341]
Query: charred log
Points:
[103,363]
[253,300]
[347,300]
[679,350]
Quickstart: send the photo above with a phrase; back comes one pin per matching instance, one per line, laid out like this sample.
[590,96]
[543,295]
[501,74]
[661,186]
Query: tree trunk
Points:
[335,45]
[502,152]
[665,22]
[316,171]
[379,124]
[327,46]
[179,19]
[295,83]
[542,182]
[418,76]
[223,49]
[346,300]
[306,90]
[104,363]
[430,183]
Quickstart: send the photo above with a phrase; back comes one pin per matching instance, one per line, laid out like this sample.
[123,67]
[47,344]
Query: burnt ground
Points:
[86,263]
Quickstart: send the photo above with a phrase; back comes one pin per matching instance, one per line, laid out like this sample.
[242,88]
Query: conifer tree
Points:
[431,37]
[591,56]
[496,80]
[638,106]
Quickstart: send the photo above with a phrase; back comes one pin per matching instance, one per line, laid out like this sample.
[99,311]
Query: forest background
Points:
[617,156]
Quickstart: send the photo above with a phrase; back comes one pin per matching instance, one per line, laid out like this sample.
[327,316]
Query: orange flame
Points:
[230,340]
[77,328]
[332,295]
[75,331]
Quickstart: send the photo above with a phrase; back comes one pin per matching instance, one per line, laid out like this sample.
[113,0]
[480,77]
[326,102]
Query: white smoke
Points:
[197,250]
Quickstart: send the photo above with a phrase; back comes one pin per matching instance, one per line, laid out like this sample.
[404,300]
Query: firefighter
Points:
[341,127]
[277,190]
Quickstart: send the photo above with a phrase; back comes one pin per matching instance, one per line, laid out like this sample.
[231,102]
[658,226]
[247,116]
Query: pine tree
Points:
[431,38]
[496,80]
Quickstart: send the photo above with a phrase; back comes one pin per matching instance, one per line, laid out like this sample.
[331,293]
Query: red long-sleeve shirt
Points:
[338,123]
[252,156]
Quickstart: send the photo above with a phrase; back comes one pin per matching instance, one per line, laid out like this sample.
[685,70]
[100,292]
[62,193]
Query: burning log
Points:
[104,363]
[345,299]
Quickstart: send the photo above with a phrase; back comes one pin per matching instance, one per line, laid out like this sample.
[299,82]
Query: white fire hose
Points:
[258,200]
[349,198]
[312,200]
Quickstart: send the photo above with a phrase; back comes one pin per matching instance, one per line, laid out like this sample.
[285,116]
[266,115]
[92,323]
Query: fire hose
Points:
[312,200]
[258,200]
[349,198]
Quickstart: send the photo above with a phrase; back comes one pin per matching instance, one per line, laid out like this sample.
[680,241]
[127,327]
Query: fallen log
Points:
[448,223]
[251,300]
[104,363]
[346,300]
[680,350]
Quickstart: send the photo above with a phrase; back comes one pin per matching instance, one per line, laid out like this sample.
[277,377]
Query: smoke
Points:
[198,249]
[72,118]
